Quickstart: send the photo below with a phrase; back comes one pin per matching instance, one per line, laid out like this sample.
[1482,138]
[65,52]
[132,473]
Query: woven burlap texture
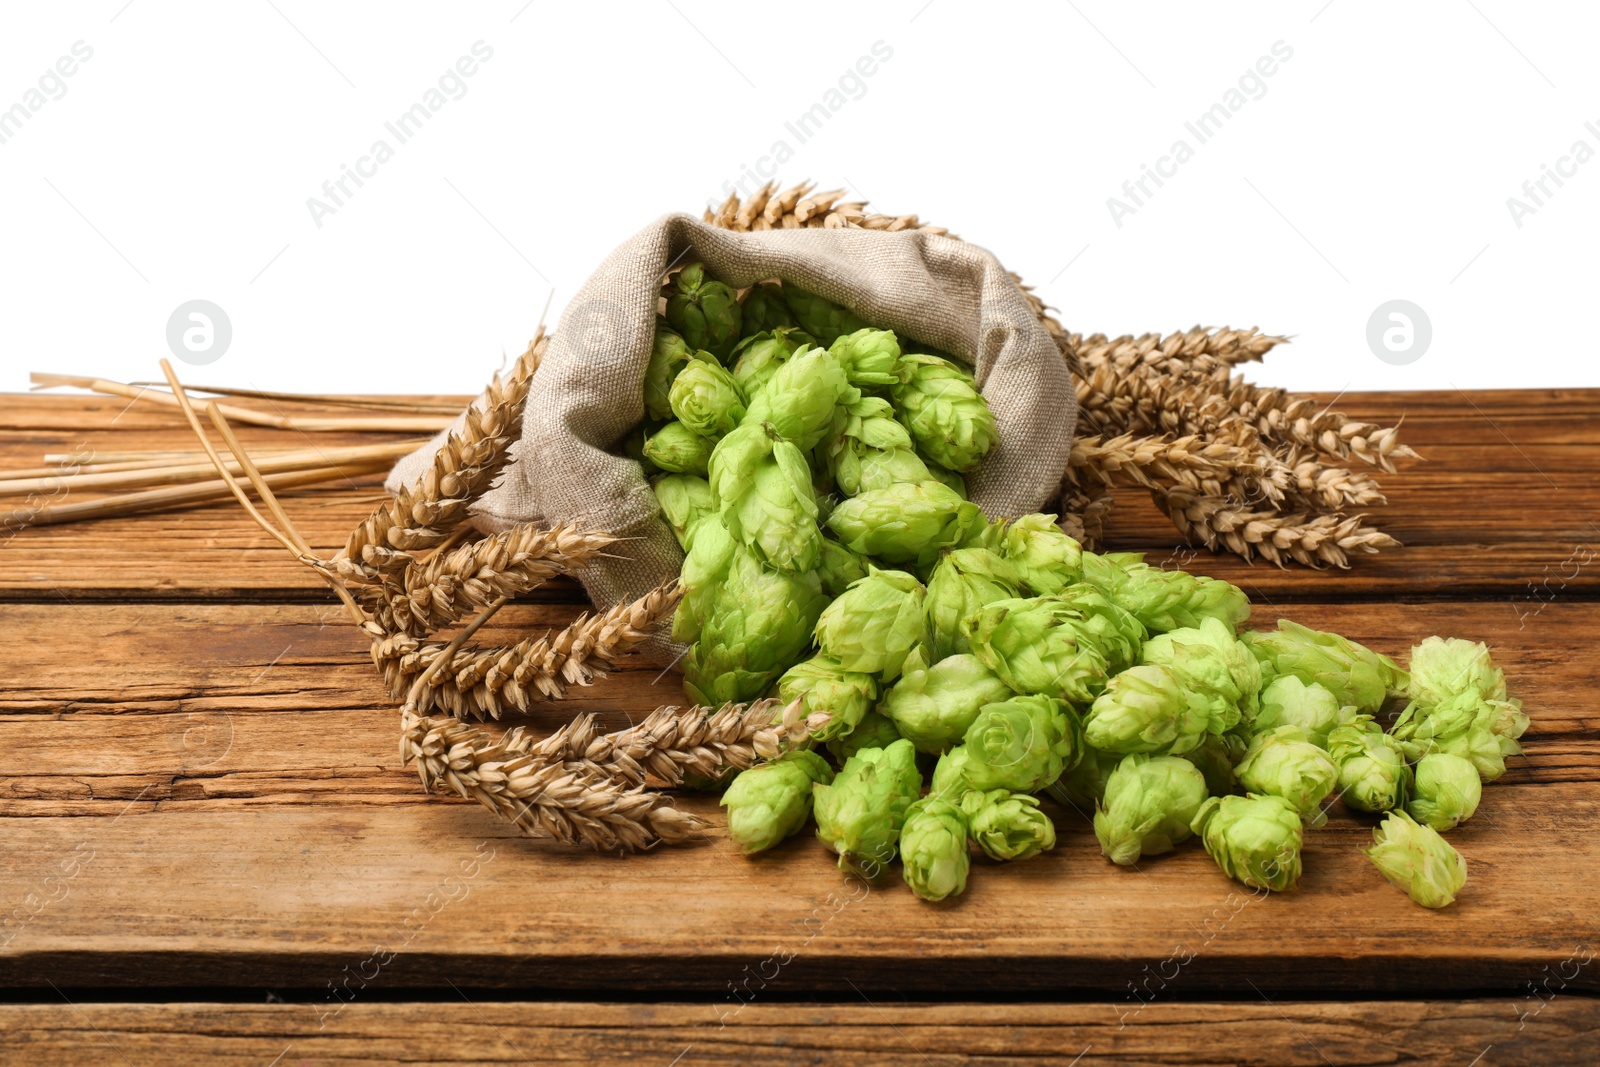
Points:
[937,290]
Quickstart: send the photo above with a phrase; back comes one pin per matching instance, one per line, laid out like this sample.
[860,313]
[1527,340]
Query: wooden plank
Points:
[219,781]
[1482,517]
[1429,1033]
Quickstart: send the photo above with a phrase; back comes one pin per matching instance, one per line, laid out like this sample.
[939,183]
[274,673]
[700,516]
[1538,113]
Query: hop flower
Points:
[772,801]
[1148,804]
[679,449]
[866,440]
[1022,744]
[860,815]
[758,357]
[1037,646]
[704,311]
[706,399]
[1415,858]
[801,396]
[873,731]
[1116,633]
[819,317]
[933,849]
[685,499]
[870,357]
[1149,708]
[668,355]
[839,567]
[950,421]
[822,685]
[707,562]
[1284,763]
[1466,725]
[934,706]
[1443,668]
[1354,674]
[1447,791]
[762,487]
[964,581]
[875,623]
[1045,558]
[950,774]
[906,523]
[1373,773]
[1254,839]
[1007,825]
[1211,662]
[1166,600]
[1287,701]
[765,310]
[758,624]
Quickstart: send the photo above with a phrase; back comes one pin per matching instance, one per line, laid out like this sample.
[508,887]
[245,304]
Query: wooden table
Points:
[212,855]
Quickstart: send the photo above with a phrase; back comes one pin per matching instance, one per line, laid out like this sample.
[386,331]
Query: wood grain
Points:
[1507,1032]
[238,790]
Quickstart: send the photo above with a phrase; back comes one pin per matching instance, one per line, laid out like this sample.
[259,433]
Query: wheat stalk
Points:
[488,682]
[1313,540]
[772,208]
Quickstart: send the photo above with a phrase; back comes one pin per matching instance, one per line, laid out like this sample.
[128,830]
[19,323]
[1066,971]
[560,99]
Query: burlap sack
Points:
[586,396]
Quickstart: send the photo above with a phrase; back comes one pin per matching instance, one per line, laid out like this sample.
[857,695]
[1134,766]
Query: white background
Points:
[1376,165]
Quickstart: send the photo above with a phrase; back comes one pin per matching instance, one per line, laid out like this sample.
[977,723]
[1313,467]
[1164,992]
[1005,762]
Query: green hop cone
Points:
[1415,858]
[1373,773]
[963,582]
[707,562]
[1022,744]
[1148,804]
[947,417]
[1046,559]
[668,355]
[1037,646]
[1447,791]
[1465,725]
[1150,709]
[1212,662]
[867,448]
[875,623]
[873,731]
[906,523]
[757,358]
[1166,599]
[1353,673]
[1287,701]
[869,357]
[763,489]
[934,706]
[1215,757]
[772,801]
[933,849]
[839,567]
[1254,839]
[633,448]
[1008,825]
[1115,632]
[860,815]
[1441,668]
[1083,786]
[706,399]
[765,310]
[1285,763]
[819,317]
[685,499]
[704,311]
[950,774]
[822,685]
[800,398]
[678,449]
[758,625]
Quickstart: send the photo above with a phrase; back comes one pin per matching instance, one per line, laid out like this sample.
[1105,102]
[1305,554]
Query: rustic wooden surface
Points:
[200,792]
